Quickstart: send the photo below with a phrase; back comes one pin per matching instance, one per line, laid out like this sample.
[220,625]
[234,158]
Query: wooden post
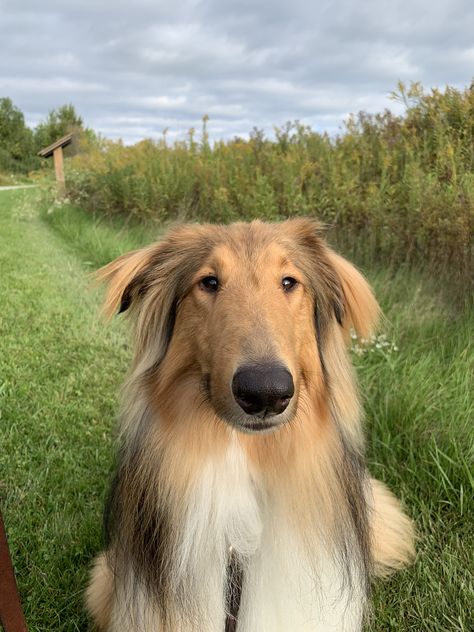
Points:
[56,150]
[59,168]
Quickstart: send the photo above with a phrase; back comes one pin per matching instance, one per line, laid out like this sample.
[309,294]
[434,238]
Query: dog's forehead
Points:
[249,242]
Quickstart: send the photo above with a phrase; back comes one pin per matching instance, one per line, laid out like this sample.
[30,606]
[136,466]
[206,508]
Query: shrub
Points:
[395,188]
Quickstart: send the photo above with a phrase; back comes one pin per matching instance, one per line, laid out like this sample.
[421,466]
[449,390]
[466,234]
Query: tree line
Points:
[19,144]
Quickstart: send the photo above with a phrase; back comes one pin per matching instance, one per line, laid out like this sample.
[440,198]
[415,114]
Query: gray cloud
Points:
[133,70]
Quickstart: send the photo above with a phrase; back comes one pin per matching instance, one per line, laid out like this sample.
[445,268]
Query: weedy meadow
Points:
[397,189]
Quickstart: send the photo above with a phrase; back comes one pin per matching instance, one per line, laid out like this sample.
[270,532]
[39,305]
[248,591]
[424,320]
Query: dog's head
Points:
[242,312]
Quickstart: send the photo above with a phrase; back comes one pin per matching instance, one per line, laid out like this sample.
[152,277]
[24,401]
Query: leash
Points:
[234,591]
[11,614]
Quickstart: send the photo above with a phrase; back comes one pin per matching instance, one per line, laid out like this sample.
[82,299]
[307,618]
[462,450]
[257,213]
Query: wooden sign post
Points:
[59,166]
[56,150]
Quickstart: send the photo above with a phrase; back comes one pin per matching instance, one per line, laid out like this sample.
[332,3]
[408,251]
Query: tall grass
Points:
[398,188]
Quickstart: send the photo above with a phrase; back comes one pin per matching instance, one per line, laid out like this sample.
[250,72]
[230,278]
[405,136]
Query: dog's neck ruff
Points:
[271,582]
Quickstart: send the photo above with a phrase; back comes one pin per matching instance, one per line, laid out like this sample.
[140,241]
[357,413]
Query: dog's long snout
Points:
[263,390]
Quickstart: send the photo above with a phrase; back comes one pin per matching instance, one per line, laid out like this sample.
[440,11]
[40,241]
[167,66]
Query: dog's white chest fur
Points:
[281,593]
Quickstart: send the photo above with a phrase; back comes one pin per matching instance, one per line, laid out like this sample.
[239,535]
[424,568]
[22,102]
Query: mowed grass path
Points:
[60,371]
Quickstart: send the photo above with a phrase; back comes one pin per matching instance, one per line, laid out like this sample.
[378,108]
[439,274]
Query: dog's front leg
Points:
[119,602]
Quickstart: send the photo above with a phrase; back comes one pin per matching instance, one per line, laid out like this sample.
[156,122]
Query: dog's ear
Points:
[165,267]
[360,309]
[340,291]
[123,279]
[151,283]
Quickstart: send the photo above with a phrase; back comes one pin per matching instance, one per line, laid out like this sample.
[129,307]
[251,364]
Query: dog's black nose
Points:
[263,390]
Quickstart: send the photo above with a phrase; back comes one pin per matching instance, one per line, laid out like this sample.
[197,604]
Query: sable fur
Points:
[192,495]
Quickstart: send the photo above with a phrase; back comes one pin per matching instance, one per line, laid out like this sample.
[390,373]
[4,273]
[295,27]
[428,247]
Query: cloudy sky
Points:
[133,68]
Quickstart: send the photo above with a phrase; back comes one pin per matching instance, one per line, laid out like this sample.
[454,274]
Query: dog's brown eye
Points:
[288,283]
[209,283]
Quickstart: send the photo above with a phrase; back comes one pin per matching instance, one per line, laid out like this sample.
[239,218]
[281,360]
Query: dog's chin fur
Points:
[198,492]
[260,426]
[252,424]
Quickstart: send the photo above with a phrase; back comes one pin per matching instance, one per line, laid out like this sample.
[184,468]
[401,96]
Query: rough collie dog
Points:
[241,499]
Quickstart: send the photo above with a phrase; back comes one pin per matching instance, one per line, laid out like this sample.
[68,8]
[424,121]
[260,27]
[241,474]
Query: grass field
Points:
[60,370]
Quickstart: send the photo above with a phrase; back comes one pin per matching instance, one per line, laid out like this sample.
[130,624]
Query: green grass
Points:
[9,179]
[95,240]
[420,407]
[60,371]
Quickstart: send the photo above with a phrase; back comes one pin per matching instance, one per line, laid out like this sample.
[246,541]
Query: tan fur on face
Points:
[250,320]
